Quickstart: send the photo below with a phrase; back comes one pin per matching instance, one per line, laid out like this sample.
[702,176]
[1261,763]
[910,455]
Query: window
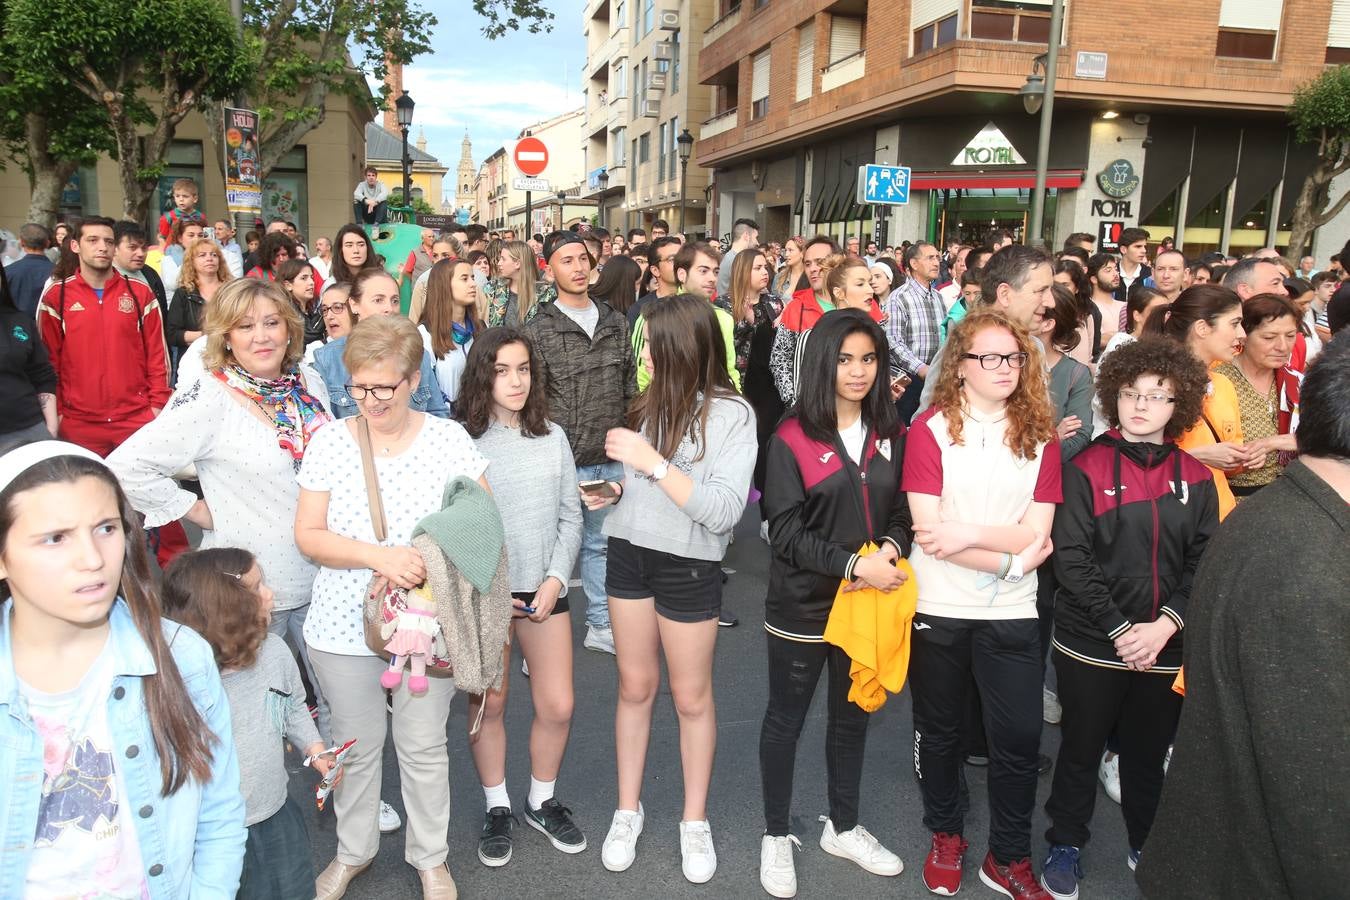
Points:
[648,15]
[806,60]
[1246,44]
[999,24]
[661,154]
[934,34]
[1338,36]
[845,38]
[184,161]
[674,62]
[674,150]
[619,143]
[620,13]
[617,82]
[759,84]
[644,147]
[637,91]
[286,191]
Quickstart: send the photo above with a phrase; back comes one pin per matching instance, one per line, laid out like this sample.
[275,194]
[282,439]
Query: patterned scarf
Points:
[294,413]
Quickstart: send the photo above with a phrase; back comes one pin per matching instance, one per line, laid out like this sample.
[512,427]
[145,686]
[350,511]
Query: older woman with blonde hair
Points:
[244,423]
[414,456]
[203,273]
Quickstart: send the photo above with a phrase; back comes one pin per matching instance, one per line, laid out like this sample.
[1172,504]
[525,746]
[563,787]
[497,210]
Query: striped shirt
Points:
[914,313]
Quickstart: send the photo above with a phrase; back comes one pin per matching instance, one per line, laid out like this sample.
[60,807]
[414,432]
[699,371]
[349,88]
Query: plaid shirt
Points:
[913,318]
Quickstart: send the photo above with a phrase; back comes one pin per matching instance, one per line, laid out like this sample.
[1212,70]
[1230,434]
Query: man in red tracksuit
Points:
[105,336]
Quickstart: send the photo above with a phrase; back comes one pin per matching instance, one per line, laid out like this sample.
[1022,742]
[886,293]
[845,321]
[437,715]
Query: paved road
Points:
[891,806]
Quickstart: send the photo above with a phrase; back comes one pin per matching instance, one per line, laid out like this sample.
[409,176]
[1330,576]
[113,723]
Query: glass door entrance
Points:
[970,215]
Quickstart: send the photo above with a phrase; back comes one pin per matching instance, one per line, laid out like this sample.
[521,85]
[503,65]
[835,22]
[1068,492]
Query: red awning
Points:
[1026,179]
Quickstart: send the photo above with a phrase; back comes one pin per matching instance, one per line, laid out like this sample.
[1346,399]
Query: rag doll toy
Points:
[414,635]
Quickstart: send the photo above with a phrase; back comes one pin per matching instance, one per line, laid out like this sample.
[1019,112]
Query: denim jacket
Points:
[192,843]
[328,361]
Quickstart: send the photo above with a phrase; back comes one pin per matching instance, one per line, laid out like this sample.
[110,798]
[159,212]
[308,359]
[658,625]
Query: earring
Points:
[227,346]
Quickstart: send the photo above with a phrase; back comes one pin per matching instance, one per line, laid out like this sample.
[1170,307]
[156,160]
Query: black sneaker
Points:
[555,820]
[494,844]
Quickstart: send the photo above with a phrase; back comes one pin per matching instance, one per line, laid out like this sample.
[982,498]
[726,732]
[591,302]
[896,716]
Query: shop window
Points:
[1164,215]
[183,160]
[1256,217]
[1246,44]
[934,35]
[286,191]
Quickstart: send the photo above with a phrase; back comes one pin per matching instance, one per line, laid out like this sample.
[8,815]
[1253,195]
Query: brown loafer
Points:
[437,883]
[332,882]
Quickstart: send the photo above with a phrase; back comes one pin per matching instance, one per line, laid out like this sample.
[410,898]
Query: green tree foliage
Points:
[1320,114]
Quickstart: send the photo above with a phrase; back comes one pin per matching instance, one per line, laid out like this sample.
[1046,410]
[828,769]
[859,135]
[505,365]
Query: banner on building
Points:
[243,193]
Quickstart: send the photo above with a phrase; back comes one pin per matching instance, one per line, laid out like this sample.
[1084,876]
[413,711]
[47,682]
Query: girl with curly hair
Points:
[1137,514]
[982,472]
[220,593]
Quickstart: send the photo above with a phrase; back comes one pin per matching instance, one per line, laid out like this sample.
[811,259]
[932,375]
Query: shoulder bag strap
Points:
[372,482]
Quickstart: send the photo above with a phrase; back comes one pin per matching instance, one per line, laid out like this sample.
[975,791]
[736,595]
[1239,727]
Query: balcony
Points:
[718,124]
[850,68]
[722,25]
[605,52]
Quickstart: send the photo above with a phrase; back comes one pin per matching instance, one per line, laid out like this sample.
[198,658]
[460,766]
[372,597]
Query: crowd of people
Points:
[1061,461]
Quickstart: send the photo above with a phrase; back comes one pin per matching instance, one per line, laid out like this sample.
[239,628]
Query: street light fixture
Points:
[403,110]
[1042,97]
[562,198]
[686,147]
[603,178]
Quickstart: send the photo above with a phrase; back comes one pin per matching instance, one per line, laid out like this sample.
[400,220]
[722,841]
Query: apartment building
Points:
[641,94]
[502,205]
[1169,117]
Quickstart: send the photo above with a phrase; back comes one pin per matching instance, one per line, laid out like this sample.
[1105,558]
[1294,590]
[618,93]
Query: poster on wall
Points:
[1108,236]
[283,197]
[242,193]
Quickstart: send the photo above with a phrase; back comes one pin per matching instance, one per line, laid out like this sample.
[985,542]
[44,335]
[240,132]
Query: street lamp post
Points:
[686,142]
[1041,94]
[562,198]
[403,109]
[603,178]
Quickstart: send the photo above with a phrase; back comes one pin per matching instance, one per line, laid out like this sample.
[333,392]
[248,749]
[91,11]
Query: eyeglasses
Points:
[1128,396]
[332,308]
[992,361]
[378,391]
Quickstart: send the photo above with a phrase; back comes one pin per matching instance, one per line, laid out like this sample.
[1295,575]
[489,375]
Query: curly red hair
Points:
[1031,419]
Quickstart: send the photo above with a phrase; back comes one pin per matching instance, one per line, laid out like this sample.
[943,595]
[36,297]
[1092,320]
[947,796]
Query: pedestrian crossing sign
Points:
[885,185]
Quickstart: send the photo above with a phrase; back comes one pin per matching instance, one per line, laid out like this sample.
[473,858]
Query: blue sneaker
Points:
[1060,874]
[1133,859]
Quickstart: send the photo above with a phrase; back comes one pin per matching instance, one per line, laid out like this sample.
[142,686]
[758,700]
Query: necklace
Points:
[398,439]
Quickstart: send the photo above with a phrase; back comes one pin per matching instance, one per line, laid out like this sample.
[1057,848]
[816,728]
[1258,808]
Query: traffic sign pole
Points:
[527,229]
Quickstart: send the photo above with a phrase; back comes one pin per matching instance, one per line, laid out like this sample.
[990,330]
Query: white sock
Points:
[497,796]
[540,791]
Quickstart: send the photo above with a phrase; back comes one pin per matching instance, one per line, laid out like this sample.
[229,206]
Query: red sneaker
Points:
[1014,880]
[942,868]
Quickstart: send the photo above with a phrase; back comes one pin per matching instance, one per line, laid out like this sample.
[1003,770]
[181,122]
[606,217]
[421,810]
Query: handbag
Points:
[384,602]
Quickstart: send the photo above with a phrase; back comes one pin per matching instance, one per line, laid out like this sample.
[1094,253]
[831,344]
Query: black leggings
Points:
[794,669]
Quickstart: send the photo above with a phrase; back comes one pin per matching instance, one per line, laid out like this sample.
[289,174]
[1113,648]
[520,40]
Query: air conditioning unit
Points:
[651,109]
[669,20]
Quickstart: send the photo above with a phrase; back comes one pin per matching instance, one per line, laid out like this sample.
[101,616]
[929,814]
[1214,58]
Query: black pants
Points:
[794,669]
[1003,657]
[1142,709]
[908,404]
[362,216]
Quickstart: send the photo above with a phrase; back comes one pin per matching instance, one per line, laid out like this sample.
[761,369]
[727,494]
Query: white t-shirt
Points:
[411,487]
[587,318]
[85,843]
[449,369]
[853,437]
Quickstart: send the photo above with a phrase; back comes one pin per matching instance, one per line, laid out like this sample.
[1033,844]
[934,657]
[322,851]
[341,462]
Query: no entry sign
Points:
[531,156]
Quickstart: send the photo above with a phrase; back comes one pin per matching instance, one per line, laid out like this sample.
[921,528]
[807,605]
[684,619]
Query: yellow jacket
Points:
[872,627]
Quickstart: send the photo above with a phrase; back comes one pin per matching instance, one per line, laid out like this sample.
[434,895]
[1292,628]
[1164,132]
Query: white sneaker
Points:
[764,531]
[696,851]
[858,845]
[601,639]
[525,668]
[1108,773]
[1051,711]
[1167,760]
[389,820]
[777,869]
[620,847]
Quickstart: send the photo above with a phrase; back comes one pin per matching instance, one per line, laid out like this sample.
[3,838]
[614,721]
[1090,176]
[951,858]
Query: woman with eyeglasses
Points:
[982,473]
[1137,513]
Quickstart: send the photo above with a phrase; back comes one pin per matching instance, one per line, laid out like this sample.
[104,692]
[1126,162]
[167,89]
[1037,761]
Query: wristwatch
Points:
[660,470]
[1015,573]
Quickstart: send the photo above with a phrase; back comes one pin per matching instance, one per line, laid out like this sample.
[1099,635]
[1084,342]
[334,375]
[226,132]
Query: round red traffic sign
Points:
[531,156]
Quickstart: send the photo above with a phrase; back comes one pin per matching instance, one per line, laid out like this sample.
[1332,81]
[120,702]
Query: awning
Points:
[1058,178]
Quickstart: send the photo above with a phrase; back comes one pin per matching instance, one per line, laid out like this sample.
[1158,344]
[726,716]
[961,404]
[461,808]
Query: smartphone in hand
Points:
[599,489]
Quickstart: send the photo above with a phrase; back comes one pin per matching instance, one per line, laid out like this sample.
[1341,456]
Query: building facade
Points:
[503,205]
[641,94]
[1185,134]
[384,151]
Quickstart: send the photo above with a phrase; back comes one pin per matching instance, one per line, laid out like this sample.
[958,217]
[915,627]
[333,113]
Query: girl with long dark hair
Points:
[450,321]
[755,312]
[353,253]
[95,684]
[834,485]
[503,406]
[617,284]
[687,455]
[299,280]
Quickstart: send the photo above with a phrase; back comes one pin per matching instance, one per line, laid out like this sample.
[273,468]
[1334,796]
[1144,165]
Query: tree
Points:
[145,63]
[1321,113]
[308,50]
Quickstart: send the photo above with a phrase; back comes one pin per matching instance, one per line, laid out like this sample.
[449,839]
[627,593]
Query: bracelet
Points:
[618,486]
[1007,565]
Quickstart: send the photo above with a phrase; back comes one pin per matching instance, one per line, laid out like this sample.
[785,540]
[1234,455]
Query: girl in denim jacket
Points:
[118,776]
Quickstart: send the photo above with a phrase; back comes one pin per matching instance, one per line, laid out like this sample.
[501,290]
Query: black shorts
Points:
[528,596]
[685,590]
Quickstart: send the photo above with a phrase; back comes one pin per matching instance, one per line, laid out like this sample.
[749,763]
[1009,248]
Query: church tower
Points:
[466,195]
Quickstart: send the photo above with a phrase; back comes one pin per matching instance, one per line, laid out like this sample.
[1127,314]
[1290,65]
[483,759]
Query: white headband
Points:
[21,459]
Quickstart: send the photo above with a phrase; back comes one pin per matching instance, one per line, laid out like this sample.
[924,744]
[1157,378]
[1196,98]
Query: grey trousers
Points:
[356,708]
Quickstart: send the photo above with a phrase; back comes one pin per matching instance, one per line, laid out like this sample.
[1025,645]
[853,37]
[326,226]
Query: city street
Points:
[891,808]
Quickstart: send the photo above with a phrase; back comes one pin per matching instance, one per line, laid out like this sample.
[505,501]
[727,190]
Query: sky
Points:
[493,88]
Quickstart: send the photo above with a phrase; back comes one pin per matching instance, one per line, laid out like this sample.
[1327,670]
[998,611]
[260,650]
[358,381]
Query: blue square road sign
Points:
[884,185]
